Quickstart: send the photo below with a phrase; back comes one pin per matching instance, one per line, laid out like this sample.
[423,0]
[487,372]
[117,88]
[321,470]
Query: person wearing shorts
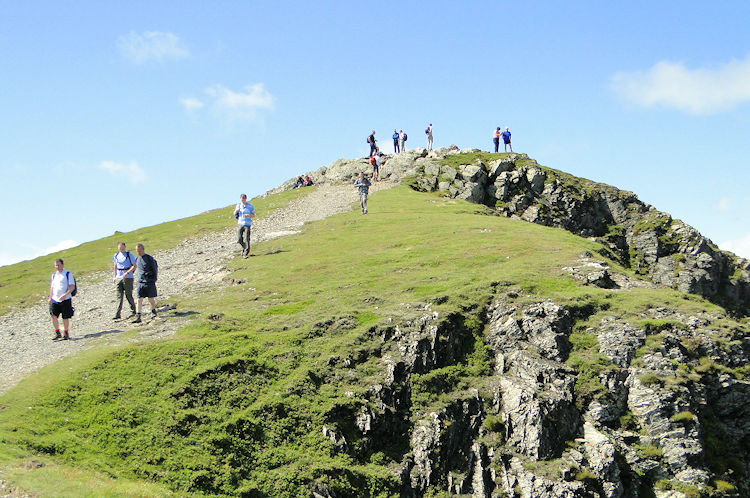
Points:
[61,289]
[145,281]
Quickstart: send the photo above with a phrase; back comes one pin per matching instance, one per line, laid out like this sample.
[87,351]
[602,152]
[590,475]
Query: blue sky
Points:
[121,115]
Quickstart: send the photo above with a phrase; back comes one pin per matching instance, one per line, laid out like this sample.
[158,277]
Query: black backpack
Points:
[405,137]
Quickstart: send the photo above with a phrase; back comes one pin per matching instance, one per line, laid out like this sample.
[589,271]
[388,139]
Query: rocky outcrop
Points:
[670,417]
[665,251]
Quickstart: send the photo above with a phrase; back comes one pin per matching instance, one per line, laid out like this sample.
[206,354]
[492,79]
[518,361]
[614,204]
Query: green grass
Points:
[235,404]
[26,283]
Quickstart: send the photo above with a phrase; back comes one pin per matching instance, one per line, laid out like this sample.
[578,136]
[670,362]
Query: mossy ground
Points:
[234,404]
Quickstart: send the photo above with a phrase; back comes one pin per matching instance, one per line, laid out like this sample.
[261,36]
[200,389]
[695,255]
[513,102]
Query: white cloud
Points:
[724,204]
[741,246]
[151,45]
[7,258]
[132,172]
[191,104]
[696,91]
[243,104]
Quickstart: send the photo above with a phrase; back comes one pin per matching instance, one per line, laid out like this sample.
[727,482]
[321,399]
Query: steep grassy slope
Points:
[254,396]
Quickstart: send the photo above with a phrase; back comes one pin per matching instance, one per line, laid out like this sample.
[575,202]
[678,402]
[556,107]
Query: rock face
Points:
[566,405]
[665,251]
[672,414]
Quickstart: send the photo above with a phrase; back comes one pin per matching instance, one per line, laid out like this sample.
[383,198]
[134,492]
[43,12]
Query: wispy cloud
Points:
[724,204]
[739,246]
[131,172]
[191,104]
[151,45]
[7,258]
[671,85]
[240,105]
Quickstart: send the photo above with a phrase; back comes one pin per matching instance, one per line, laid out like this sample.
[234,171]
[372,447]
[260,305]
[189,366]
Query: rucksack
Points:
[405,137]
[426,131]
[155,266]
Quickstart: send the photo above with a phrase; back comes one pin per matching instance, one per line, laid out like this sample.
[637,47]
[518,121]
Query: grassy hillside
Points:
[24,284]
[235,403]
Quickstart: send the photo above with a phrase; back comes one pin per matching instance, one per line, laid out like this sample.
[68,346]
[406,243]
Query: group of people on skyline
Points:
[399,140]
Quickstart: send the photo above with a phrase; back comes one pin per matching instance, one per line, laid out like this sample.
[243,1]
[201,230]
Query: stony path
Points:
[25,336]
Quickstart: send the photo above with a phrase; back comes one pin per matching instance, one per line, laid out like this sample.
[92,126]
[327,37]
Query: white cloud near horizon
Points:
[151,45]
[699,91]
[240,105]
[131,172]
[9,259]
[740,246]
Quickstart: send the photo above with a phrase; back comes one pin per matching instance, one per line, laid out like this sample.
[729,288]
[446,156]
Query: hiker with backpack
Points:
[148,273]
[428,132]
[396,149]
[371,141]
[62,288]
[363,185]
[244,213]
[402,139]
[506,140]
[124,272]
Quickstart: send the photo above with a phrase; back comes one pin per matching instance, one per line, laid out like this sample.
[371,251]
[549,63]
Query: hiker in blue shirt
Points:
[62,287]
[506,140]
[124,268]
[363,184]
[244,212]
[395,141]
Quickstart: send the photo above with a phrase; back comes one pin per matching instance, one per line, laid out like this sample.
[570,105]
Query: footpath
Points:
[195,265]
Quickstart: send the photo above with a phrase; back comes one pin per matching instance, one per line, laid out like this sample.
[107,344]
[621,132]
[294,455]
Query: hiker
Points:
[496,139]
[148,272]
[363,184]
[428,132]
[402,139]
[124,268]
[375,162]
[396,149]
[308,181]
[371,141]
[62,287]
[299,183]
[506,140]
[244,212]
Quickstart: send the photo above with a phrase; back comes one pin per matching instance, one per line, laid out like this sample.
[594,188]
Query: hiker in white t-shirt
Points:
[61,289]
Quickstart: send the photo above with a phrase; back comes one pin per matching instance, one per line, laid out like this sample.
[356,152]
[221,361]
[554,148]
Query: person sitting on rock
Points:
[299,183]
[308,181]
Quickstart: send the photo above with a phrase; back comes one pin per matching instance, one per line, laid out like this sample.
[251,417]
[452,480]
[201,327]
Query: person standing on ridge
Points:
[148,272]
[61,288]
[506,140]
[396,149]
[428,131]
[375,163]
[496,139]
[124,268]
[244,212]
[402,140]
[363,184]
[371,141]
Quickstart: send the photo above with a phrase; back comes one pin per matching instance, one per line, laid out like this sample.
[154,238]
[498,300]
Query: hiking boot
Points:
[66,336]
[57,335]
[153,313]
[137,318]
[116,317]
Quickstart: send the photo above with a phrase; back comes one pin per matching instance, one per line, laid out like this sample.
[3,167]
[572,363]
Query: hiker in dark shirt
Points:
[363,184]
[396,148]
[147,274]
[371,141]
